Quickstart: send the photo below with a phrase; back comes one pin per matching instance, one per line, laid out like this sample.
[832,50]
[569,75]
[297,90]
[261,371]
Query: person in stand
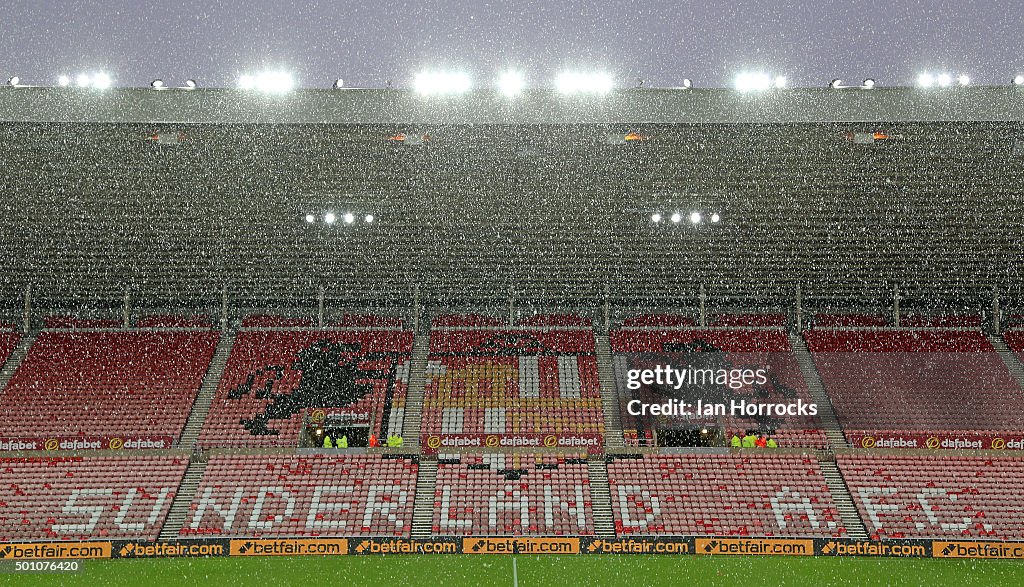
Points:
[749,440]
[343,443]
[327,441]
[761,442]
[372,443]
[735,442]
[772,443]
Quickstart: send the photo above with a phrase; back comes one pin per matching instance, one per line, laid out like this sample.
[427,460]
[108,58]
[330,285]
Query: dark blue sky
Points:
[368,42]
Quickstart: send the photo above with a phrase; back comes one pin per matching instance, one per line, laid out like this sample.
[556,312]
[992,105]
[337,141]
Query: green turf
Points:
[618,571]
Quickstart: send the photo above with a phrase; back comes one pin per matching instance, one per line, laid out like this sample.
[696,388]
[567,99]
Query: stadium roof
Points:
[170,194]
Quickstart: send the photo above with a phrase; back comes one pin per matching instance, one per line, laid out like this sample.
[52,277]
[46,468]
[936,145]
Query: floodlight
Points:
[63,81]
[1018,80]
[943,80]
[329,218]
[715,217]
[780,81]
[584,83]
[511,83]
[190,84]
[655,218]
[753,81]
[82,80]
[695,217]
[429,83]
[687,83]
[836,84]
[310,218]
[101,81]
[676,218]
[157,84]
[349,218]
[369,218]
[964,80]
[339,83]
[14,80]
[869,83]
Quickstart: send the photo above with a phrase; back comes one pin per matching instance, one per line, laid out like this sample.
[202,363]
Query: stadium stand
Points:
[769,348]
[915,381]
[947,496]
[303,495]
[8,340]
[512,381]
[87,498]
[849,321]
[512,495]
[109,384]
[274,378]
[722,495]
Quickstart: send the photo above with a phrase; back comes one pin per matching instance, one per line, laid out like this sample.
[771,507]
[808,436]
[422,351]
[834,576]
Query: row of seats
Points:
[917,381]
[314,495]
[274,378]
[87,498]
[512,381]
[512,495]
[741,348]
[722,495]
[126,383]
[936,496]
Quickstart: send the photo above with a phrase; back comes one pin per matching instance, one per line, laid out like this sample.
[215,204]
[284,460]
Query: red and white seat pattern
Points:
[518,381]
[87,498]
[125,383]
[757,348]
[916,381]
[8,340]
[722,495]
[512,495]
[268,363]
[936,496]
[294,495]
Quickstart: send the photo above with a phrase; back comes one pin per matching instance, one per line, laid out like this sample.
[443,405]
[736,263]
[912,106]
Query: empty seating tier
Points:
[519,381]
[275,378]
[315,495]
[936,496]
[722,495]
[512,495]
[87,498]
[924,382]
[106,384]
[8,340]
[739,348]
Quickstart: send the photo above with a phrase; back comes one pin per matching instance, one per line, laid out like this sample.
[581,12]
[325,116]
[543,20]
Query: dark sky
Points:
[369,42]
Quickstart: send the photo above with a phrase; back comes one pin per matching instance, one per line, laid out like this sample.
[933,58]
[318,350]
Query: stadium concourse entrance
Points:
[692,437]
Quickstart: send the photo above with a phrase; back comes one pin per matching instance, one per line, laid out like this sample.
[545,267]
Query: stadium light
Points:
[310,219]
[14,81]
[434,83]
[1018,80]
[190,84]
[63,81]
[868,83]
[676,218]
[836,84]
[268,82]
[687,83]
[655,218]
[695,217]
[369,219]
[925,80]
[157,84]
[584,83]
[101,81]
[329,218]
[82,80]
[349,218]
[757,81]
[511,83]
[963,80]
[715,217]
[339,83]
[943,80]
